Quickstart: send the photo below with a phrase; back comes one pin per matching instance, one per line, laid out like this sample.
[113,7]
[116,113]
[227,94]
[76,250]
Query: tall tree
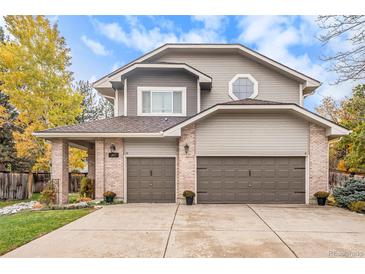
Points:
[94,106]
[349,113]
[35,75]
[349,62]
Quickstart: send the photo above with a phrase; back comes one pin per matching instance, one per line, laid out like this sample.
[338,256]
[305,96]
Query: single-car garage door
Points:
[151,180]
[251,179]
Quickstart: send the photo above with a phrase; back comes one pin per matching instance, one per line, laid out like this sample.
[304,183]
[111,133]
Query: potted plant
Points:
[321,197]
[189,196]
[109,196]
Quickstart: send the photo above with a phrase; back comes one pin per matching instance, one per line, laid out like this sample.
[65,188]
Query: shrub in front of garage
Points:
[352,191]
[321,197]
[189,196]
[109,196]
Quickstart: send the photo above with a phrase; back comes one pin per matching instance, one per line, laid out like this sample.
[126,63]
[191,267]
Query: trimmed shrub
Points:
[352,191]
[109,194]
[188,194]
[87,188]
[321,194]
[358,206]
[48,195]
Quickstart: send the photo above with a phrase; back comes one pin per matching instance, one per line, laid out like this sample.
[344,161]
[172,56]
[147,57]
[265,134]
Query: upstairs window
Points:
[243,86]
[161,101]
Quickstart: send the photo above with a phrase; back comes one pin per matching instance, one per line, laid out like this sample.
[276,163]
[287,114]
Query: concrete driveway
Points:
[168,230]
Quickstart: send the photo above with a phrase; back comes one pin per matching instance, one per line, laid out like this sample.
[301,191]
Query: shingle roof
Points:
[140,124]
[253,102]
[121,124]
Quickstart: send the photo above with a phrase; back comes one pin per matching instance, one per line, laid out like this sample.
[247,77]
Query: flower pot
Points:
[189,200]
[109,200]
[321,201]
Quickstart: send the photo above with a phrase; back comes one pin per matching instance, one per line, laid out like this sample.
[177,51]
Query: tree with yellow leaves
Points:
[34,73]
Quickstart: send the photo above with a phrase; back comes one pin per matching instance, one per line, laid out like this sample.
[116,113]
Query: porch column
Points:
[91,162]
[59,169]
[99,168]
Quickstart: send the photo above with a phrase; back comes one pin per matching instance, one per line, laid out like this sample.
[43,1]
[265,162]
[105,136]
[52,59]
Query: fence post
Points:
[30,185]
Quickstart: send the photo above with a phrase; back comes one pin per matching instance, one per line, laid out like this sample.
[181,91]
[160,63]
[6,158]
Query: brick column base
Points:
[59,169]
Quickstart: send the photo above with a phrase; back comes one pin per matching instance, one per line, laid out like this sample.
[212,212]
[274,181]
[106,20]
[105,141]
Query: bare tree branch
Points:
[349,64]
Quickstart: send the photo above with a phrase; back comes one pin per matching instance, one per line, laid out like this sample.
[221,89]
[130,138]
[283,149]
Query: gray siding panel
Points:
[252,134]
[150,147]
[162,79]
[273,86]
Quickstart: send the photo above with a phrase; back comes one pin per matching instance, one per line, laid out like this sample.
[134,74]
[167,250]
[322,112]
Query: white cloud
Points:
[275,36]
[135,35]
[212,22]
[95,46]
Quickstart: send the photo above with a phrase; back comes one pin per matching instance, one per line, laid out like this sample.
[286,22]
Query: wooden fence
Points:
[17,186]
[338,178]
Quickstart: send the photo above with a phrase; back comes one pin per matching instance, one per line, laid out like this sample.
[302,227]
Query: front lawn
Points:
[21,228]
[35,197]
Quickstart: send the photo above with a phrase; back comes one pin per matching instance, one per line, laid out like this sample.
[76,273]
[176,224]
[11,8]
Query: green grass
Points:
[21,228]
[35,197]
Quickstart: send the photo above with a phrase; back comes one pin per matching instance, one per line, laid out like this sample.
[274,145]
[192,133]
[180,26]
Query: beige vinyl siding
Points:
[120,103]
[252,134]
[162,78]
[150,147]
[273,86]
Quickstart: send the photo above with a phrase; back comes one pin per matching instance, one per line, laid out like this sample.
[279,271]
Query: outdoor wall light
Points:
[112,148]
[186,147]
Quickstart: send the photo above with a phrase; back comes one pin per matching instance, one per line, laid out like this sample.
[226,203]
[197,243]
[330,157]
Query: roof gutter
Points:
[51,135]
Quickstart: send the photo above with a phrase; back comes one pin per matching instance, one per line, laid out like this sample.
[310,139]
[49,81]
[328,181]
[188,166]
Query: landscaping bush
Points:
[321,194]
[189,193]
[48,195]
[358,206]
[352,191]
[87,188]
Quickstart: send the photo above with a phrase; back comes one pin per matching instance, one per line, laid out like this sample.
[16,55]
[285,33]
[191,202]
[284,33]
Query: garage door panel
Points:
[251,179]
[151,180]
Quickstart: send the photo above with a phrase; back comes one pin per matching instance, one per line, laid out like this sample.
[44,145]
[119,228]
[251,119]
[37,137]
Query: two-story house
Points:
[219,119]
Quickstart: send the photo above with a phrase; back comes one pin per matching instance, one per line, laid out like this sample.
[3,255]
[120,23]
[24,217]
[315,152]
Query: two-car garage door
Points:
[251,179]
[220,180]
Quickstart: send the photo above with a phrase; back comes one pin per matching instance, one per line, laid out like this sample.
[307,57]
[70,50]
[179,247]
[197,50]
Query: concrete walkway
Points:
[168,230]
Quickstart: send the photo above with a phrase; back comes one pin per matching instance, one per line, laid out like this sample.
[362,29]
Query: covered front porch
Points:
[104,161]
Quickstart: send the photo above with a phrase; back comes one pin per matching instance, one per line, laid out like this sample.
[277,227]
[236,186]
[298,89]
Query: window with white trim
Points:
[161,101]
[243,86]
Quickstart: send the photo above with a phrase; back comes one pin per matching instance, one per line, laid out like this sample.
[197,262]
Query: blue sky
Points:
[100,44]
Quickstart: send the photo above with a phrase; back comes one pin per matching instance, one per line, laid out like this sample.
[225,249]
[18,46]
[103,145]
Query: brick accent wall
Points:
[59,170]
[318,160]
[114,169]
[109,172]
[186,167]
